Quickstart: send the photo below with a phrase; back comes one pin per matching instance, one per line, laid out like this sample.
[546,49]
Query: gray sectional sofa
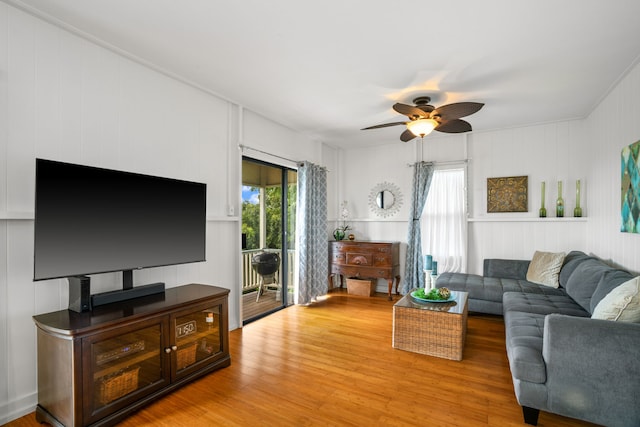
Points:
[561,360]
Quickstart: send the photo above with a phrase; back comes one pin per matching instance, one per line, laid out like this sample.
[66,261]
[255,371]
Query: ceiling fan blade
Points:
[457,110]
[385,125]
[410,111]
[454,126]
[407,136]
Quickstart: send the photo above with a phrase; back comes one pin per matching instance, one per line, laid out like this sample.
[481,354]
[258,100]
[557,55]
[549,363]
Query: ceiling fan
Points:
[424,118]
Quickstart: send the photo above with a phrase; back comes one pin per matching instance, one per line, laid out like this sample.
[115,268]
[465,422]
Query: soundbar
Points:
[126,294]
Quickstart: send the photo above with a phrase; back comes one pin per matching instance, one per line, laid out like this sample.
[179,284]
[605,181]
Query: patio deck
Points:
[267,302]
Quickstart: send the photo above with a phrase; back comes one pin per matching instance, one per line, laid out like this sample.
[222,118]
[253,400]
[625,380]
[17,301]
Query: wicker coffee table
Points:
[435,329]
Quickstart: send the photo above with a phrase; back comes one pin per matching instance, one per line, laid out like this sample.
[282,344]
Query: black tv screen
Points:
[91,220]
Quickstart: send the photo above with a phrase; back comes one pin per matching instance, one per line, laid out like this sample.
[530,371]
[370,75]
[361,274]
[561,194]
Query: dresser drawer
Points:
[359,258]
[377,248]
[351,246]
[382,260]
[364,272]
[338,258]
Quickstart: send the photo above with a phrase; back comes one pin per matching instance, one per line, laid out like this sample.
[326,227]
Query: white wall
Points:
[551,153]
[613,125]
[548,152]
[360,170]
[65,98]
[587,149]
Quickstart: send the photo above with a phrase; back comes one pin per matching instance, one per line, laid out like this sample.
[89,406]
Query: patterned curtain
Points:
[311,229]
[422,175]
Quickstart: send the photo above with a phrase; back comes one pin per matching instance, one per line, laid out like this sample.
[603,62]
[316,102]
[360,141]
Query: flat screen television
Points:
[91,220]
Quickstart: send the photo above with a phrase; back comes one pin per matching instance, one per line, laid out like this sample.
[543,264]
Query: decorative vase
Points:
[577,212]
[559,202]
[543,210]
[338,234]
[352,236]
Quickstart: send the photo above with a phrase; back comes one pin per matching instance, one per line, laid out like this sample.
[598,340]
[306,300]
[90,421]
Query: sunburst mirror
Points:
[385,199]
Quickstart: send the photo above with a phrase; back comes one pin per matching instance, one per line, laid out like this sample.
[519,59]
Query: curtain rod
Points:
[297,162]
[448,162]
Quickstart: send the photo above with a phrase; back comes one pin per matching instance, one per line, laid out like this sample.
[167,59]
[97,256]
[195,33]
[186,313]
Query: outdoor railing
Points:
[251,279]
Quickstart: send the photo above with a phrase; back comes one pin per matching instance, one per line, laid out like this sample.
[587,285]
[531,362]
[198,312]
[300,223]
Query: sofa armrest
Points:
[506,268]
[592,369]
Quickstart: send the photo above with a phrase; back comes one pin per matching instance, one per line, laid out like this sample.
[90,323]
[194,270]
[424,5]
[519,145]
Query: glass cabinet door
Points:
[197,337]
[123,365]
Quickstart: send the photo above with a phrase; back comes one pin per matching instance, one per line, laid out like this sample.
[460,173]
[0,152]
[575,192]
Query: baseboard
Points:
[18,408]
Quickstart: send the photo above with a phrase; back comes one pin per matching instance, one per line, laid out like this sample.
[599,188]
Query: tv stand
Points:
[96,368]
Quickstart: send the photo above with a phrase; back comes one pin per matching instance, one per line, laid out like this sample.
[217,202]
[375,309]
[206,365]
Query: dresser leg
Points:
[390,282]
[397,284]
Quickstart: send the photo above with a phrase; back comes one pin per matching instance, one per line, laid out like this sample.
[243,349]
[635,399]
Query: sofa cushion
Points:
[609,280]
[584,280]
[524,332]
[571,262]
[545,268]
[490,288]
[621,304]
[505,268]
[524,315]
[541,304]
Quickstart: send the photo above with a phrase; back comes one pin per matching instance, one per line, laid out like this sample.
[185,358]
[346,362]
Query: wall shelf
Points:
[10,216]
[528,219]
[16,215]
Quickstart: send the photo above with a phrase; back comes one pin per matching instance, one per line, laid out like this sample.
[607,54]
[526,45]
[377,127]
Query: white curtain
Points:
[311,231]
[444,221]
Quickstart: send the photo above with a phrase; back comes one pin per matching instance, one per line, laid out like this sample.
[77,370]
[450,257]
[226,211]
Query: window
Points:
[444,221]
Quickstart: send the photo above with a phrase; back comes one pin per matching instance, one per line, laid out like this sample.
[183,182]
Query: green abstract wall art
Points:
[630,188]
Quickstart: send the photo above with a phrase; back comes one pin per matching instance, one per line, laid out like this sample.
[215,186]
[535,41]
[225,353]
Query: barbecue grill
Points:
[266,264]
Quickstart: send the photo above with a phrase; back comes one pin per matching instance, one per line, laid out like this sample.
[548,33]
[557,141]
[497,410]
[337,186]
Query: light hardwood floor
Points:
[332,364]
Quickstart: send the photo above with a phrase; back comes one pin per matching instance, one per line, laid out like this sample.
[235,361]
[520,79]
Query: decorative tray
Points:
[415,296]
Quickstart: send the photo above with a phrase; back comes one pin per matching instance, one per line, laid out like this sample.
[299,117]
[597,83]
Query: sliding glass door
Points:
[268,237]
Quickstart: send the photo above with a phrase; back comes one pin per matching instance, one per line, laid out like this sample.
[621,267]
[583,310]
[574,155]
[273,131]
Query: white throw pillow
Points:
[621,304]
[544,268]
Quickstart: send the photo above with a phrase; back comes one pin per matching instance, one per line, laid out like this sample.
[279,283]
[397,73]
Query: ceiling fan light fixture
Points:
[422,127]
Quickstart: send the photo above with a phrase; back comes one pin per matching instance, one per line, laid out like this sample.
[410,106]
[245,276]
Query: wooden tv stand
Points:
[95,368]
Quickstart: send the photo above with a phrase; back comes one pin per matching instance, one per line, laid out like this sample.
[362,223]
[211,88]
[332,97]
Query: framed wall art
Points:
[630,188]
[507,194]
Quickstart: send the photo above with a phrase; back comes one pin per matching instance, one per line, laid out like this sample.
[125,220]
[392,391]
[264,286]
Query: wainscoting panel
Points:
[519,240]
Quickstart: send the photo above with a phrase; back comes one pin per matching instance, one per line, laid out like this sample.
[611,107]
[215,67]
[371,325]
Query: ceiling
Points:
[329,68]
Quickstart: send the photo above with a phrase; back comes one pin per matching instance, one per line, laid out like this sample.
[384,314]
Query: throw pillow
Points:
[621,304]
[545,268]
[609,281]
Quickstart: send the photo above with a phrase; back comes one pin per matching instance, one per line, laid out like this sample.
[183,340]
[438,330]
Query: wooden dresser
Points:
[364,259]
